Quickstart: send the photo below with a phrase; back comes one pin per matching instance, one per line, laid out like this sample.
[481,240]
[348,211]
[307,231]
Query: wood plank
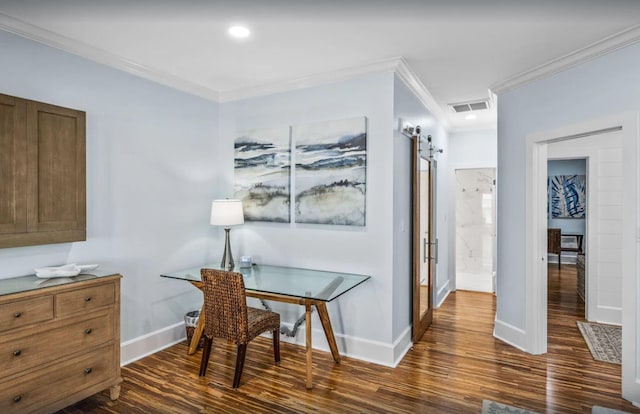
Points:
[197,333]
[309,345]
[456,365]
[328,330]
[56,175]
[13,165]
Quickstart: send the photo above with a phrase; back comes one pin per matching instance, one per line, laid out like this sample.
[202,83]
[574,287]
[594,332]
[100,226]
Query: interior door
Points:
[424,240]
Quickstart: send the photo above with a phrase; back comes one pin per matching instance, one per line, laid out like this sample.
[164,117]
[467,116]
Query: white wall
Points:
[474,149]
[604,254]
[150,179]
[469,149]
[605,86]
[475,229]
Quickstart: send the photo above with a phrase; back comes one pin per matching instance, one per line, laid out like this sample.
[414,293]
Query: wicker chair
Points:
[226,315]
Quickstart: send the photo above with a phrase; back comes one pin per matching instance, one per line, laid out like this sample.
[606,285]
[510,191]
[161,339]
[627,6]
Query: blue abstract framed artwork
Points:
[568,196]
[262,174]
[330,172]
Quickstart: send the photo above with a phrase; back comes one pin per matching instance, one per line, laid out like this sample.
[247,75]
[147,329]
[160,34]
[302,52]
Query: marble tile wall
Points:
[475,224]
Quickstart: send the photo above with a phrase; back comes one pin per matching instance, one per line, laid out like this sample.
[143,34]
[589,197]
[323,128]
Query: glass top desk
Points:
[290,285]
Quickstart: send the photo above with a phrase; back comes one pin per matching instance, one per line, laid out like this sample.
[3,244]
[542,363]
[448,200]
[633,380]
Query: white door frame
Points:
[536,238]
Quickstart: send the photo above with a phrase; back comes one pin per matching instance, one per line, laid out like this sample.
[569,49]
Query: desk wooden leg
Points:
[197,333]
[328,330]
[307,306]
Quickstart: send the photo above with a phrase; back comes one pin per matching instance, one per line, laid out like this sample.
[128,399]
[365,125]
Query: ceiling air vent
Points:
[470,106]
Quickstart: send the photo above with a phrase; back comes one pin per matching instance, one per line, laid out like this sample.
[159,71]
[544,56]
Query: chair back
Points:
[554,241]
[225,305]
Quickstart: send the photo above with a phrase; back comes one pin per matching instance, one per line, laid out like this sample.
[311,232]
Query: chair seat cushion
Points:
[261,320]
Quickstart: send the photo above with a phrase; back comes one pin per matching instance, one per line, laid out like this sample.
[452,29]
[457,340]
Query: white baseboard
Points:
[151,343]
[510,334]
[442,294]
[476,282]
[401,346]
[609,315]
[358,348]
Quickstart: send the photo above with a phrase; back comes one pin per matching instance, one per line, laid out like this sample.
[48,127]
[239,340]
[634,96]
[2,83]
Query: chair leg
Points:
[206,351]
[276,345]
[242,352]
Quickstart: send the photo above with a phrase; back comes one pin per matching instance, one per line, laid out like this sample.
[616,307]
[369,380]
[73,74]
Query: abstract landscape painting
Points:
[330,175]
[262,166]
[568,196]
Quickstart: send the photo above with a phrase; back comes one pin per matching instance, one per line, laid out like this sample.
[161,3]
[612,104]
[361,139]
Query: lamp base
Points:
[227,258]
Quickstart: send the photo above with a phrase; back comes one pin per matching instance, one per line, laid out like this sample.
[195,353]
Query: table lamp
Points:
[227,213]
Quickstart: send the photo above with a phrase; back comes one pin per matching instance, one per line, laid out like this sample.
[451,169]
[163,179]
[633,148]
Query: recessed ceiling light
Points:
[239,32]
[470,117]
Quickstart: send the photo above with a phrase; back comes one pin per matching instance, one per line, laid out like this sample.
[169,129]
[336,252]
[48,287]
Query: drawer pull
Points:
[87,299]
[17,398]
[88,331]
[17,352]
[17,314]
[88,370]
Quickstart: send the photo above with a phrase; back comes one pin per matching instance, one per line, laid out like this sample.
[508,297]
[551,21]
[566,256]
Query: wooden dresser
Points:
[59,341]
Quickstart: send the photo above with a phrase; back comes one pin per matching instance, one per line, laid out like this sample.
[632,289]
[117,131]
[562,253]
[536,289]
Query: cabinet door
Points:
[56,172]
[13,165]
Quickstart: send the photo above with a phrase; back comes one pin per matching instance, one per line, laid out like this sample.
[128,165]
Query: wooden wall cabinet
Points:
[42,173]
[58,344]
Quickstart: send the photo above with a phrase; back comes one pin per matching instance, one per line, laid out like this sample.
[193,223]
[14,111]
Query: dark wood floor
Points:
[452,369]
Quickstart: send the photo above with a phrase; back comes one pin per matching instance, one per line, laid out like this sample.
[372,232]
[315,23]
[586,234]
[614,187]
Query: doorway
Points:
[610,144]
[567,190]
[425,243]
[475,229]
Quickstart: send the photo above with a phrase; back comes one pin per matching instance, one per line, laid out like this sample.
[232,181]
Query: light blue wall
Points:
[151,175]
[156,157]
[608,85]
[407,107]
[567,167]
[365,312]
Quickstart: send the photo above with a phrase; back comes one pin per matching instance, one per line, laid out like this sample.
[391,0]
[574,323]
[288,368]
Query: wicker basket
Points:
[190,323]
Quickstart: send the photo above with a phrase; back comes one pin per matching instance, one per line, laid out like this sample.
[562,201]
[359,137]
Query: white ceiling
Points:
[457,48]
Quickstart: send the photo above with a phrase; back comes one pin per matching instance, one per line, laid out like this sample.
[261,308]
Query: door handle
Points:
[424,250]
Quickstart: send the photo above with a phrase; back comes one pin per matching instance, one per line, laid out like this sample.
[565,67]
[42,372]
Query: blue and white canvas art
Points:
[568,196]
[262,167]
[330,174]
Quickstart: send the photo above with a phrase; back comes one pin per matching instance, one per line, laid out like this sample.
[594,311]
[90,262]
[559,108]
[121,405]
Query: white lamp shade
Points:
[226,212]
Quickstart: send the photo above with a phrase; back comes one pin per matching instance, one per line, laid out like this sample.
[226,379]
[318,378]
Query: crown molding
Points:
[406,74]
[49,38]
[395,65]
[381,66]
[594,50]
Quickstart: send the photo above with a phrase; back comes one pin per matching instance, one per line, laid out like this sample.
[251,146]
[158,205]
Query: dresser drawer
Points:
[83,300]
[19,353]
[25,312]
[42,388]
